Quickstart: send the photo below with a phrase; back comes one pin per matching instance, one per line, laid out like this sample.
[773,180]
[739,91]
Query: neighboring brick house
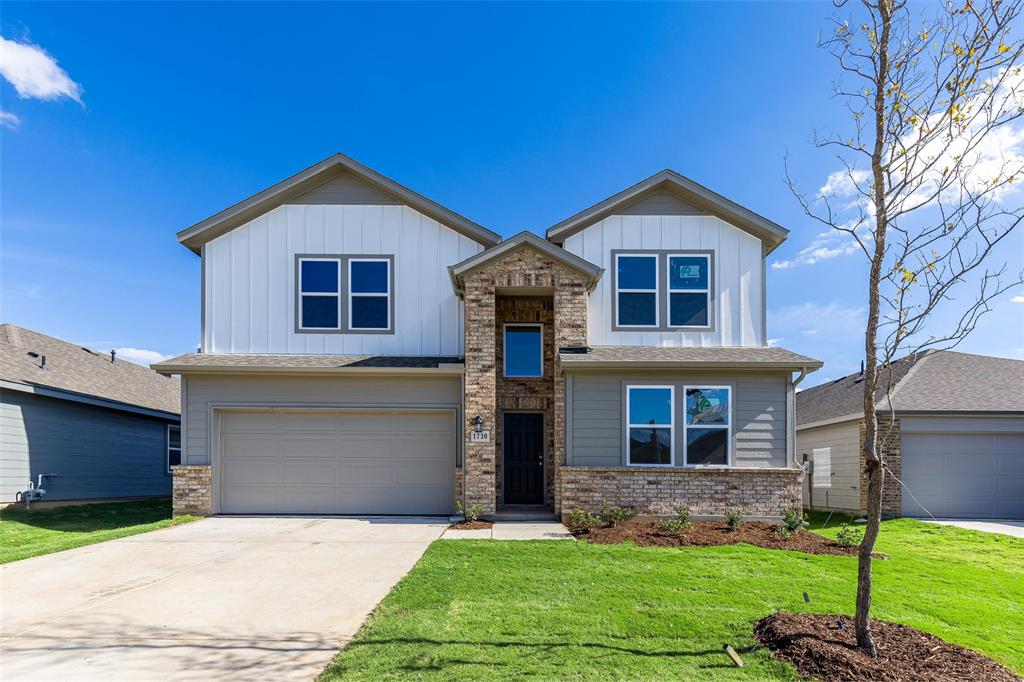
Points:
[367,351]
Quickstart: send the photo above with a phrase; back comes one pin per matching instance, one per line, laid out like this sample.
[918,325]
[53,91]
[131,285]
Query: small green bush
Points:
[848,536]
[580,520]
[794,520]
[614,515]
[683,516]
[734,518]
[673,526]
[783,531]
[470,514]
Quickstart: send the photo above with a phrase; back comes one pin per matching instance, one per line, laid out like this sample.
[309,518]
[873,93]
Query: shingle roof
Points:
[75,369]
[936,381]
[727,356]
[241,362]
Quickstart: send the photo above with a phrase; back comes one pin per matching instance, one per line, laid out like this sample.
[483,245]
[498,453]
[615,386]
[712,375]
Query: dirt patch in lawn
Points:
[646,532]
[479,524]
[821,649]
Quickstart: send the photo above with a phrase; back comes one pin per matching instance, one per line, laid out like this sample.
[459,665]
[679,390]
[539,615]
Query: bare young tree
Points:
[925,191]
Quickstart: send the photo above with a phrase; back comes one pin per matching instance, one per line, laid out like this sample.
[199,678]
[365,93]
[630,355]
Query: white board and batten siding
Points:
[250,280]
[738,276]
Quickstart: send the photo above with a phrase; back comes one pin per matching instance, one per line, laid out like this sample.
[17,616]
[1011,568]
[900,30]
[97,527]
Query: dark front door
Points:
[523,458]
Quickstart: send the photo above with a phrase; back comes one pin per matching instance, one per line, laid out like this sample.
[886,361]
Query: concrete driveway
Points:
[1003,527]
[217,599]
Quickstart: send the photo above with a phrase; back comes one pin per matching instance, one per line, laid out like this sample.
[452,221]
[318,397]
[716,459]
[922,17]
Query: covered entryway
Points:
[323,461]
[963,475]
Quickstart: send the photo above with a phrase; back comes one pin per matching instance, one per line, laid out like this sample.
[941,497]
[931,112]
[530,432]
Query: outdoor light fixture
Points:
[478,424]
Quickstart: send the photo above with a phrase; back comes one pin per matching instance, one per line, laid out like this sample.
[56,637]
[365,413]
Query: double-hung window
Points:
[173,446]
[636,290]
[708,425]
[319,294]
[649,425]
[689,295]
[369,294]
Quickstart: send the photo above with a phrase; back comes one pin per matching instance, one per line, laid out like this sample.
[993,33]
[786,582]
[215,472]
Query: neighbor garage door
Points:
[966,475]
[337,462]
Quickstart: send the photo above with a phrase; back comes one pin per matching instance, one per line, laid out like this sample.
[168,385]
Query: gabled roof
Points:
[519,241]
[934,381]
[79,371]
[303,181]
[689,191]
[663,357]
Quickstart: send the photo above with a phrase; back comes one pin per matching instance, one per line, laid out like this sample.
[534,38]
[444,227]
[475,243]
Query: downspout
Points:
[791,418]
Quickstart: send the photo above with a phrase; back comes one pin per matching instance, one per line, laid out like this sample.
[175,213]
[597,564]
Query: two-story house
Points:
[366,350]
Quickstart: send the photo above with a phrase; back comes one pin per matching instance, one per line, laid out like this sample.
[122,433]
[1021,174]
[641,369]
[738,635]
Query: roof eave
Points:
[449,369]
[568,364]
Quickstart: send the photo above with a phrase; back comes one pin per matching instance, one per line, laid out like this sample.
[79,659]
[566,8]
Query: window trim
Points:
[349,294]
[706,255]
[729,447]
[662,295]
[656,290]
[168,448]
[504,350]
[344,312]
[300,294]
[671,426]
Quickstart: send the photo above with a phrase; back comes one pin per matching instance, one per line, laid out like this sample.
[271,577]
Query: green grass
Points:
[565,610]
[28,533]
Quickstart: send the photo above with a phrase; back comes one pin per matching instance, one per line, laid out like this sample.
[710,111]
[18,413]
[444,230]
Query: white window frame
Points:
[668,287]
[338,295]
[671,425]
[168,448]
[727,427]
[655,291]
[504,347]
[350,294]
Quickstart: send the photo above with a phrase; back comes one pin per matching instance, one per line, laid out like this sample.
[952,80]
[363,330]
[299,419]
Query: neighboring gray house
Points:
[107,428]
[957,441]
[365,350]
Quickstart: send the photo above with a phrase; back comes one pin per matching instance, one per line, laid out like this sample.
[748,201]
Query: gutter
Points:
[441,370]
[746,366]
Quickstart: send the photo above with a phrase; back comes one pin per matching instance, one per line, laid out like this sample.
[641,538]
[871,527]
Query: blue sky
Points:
[515,115]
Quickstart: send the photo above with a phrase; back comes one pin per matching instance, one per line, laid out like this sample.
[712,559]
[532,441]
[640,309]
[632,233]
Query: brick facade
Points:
[889,446]
[192,491]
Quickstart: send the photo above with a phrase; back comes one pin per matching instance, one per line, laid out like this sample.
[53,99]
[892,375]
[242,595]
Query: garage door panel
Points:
[415,474]
[305,423]
[250,499]
[249,446]
[418,422]
[425,448]
[369,473]
[291,446]
[247,470]
[312,472]
[358,448]
[367,421]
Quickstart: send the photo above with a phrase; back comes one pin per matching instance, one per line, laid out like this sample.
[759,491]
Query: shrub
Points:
[734,518]
[615,515]
[683,516]
[783,531]
[848,536]
[673,526]
[795,519]
[470,514]
[581,520]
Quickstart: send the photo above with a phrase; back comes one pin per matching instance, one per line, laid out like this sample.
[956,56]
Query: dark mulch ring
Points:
[646,532]
[820,649]
[472,525]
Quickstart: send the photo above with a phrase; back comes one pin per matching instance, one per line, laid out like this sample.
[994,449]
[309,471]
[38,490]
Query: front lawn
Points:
[27,533]
[571,610]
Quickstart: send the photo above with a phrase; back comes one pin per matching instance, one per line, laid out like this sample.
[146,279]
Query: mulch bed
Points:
[646,532]
[472,525]
[820,649]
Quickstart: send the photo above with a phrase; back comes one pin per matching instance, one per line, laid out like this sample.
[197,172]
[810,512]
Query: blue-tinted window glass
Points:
[369,312]
[320,276]
[688,272]
[635,272]
[638,309]
[650,446]
[688,310]
[320,312]
[650,406]
[523,356]
[707,446]
[369,277]
[707,406]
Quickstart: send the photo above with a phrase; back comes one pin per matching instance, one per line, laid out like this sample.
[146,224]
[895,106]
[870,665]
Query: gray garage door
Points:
[966,475]
[337,462]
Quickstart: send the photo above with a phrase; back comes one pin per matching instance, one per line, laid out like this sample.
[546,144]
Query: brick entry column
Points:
[481,395]
[570,332]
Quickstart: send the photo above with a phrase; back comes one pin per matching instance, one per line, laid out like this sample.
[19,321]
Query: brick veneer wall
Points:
[704,491]
[889,446]
[192,491]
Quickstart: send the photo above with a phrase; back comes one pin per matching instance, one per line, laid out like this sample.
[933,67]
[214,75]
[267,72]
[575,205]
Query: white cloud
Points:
[824,246]
[1017,299]
[773,343]
[140,356]
[34,73]
[8,120]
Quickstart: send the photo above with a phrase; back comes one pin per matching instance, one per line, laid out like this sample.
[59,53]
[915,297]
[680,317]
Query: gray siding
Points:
[843,440]
[597,419]
[661,203]
[97,452]
[203,392]
[346,189]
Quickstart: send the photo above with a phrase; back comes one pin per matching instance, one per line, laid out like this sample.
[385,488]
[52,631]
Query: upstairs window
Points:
[173,446]
[708,425]
[649,428]
[369,294]
[636,290]
[319,294]
[689,295]
[524,350]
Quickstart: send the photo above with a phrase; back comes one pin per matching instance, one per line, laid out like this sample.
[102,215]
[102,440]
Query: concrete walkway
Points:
[513,530]
[1003,527]
[218,599]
